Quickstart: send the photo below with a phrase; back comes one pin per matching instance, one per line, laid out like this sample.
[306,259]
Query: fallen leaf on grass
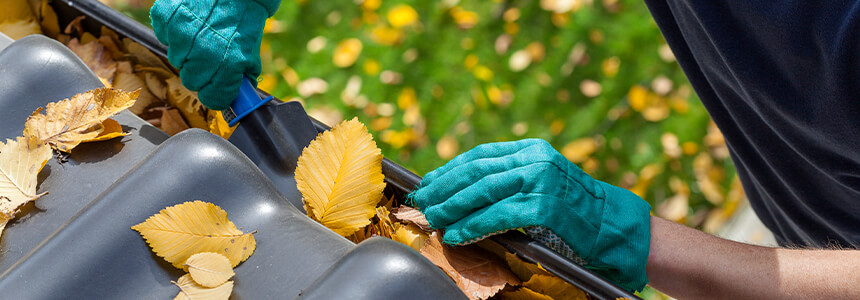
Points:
[20,162]
[475,270]
[179,231]
[69,122]
[209,269]
[190,290]
[340,177]
[411,215]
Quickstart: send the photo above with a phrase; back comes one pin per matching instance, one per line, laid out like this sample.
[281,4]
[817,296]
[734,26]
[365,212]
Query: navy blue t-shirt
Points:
[781,79]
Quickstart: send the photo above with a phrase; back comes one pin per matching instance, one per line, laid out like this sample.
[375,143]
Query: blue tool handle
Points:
[245,103]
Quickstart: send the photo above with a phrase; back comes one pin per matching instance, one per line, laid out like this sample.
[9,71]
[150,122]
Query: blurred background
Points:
[432,79]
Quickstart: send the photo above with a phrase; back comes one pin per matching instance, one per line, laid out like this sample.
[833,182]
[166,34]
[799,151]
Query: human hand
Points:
[527,184]
[213,43]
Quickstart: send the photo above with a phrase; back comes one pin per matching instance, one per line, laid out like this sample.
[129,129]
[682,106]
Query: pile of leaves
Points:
[120,63]
[212,247]
[340,177]
[60,126]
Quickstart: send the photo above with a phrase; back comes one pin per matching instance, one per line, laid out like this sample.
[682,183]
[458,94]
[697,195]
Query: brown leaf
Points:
[411,215]
[476,271]
[96,58]
[171,122]
[70,122]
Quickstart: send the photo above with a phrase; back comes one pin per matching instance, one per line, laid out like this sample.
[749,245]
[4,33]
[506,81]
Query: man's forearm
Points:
[689,264]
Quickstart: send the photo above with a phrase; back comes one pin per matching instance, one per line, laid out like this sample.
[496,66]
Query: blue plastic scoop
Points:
[245,103]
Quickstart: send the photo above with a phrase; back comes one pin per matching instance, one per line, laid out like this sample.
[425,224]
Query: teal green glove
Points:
[213,43]
[527,184]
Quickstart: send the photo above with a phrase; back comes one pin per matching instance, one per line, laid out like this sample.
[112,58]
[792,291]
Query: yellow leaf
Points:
[218,126]
[346,52]
[384,227]
[402,15]
[340,177]
[209,269]
[579,150]
[49,22]
[475,270]
[110,129]
[187,103]
[70,122]
[20,162]
[17,20]
[410,235]
[524,293]
[96,58]
[523,269]
[413,216]
[190,290]
[554,287]
[177,232]
[130,82]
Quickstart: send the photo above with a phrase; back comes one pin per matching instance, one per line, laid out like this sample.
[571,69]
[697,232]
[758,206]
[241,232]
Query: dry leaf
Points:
[96,58]
[187,103]
[198,227]
[554,287]
[70,122]
[340,177]
[410,235]
[218,126]
[190,290]
[17,20]
[475,270]
[110,129]
[171,121]
[20,162]
[143,56]
[384,227]
[209,269]
[411,215]
[129,82]
[155,85]
[522,269]
[524,293]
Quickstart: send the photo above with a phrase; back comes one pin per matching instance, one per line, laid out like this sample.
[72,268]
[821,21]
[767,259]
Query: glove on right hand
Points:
[527,184]
[213,43]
